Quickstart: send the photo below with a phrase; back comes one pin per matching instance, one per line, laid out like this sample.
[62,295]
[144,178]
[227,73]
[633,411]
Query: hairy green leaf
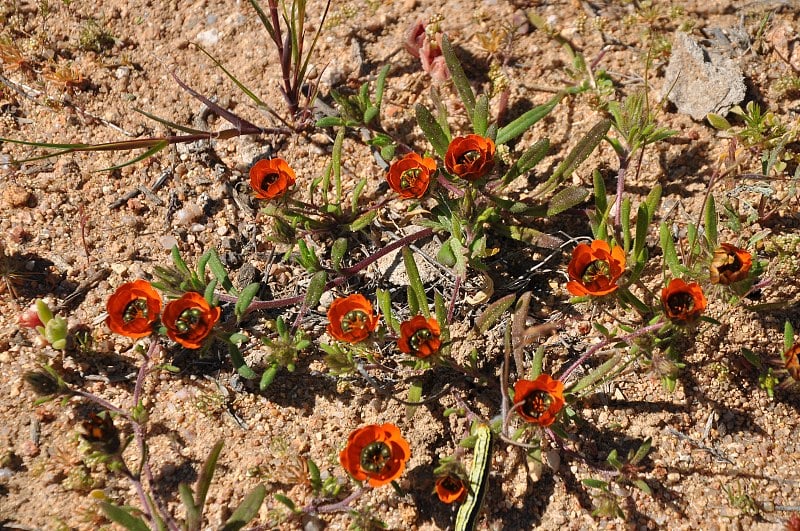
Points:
[492,313]
[527,120]
[123,517]
[238,362]
[459,77]
[432,130]
[711,222]
[316,287]
[247,510]
[566,199]
[414,281]
[578,154]
[481,119]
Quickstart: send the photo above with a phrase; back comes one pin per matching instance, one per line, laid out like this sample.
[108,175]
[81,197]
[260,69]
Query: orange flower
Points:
[594,269]
[270,178]
[189,320]
[540,400]
[419,336]
[470,157]
[411,175]
[133,309]
[451,489]
[683,302]
[792,363]
[730,264]
[375,453]
[351,319]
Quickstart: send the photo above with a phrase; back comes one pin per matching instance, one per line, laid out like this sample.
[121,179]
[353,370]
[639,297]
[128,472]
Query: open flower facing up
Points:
[271,178]
[411,175]
[792,361]
[133,309]
[419,336]
[189,320]
[470,157]
[683,302]
[377,453]
[730,264]
[450,489]
[351,319]
[594,269]
[539,401]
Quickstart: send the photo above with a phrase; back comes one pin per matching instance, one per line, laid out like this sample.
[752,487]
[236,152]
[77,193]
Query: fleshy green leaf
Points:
[268,377]
[315,289]
[718,122]
[524,122]
[595,375]
[788,336]
[247,510]
[600,221]
[481,119]
[245,298]
[286,501]
[415,282]
[595,483]
[526,162]
[338,250]
[218,270]
[329,121]
[380,84]
[459,77]
[643,486]
[668,249]
[123,517]
[238,362]
[180,265]
[566,199]
[446,256]
[203,484]
[208,293]
[432,130]
[493,312]
[578,154]
[385,304]
[414,395]
[625,216]
[711,222]
[642,224]
[363,221]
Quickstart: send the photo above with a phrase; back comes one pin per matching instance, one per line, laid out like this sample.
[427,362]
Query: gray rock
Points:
[700,80]
[392,268]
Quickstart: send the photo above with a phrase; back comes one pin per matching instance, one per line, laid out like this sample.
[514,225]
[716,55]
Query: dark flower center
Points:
[375,456]
[136,309]
[468,157]
[419,337]
[596,270]
[732,264]
[271,178]
[680,303]
[451,484]
[188,320]
[354,320]
[409,178]
[537,403]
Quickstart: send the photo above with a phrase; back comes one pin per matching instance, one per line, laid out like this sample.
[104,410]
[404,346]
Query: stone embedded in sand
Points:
[700,80]
[15,196]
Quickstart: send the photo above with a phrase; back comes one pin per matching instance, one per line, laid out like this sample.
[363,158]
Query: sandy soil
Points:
[725,455]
